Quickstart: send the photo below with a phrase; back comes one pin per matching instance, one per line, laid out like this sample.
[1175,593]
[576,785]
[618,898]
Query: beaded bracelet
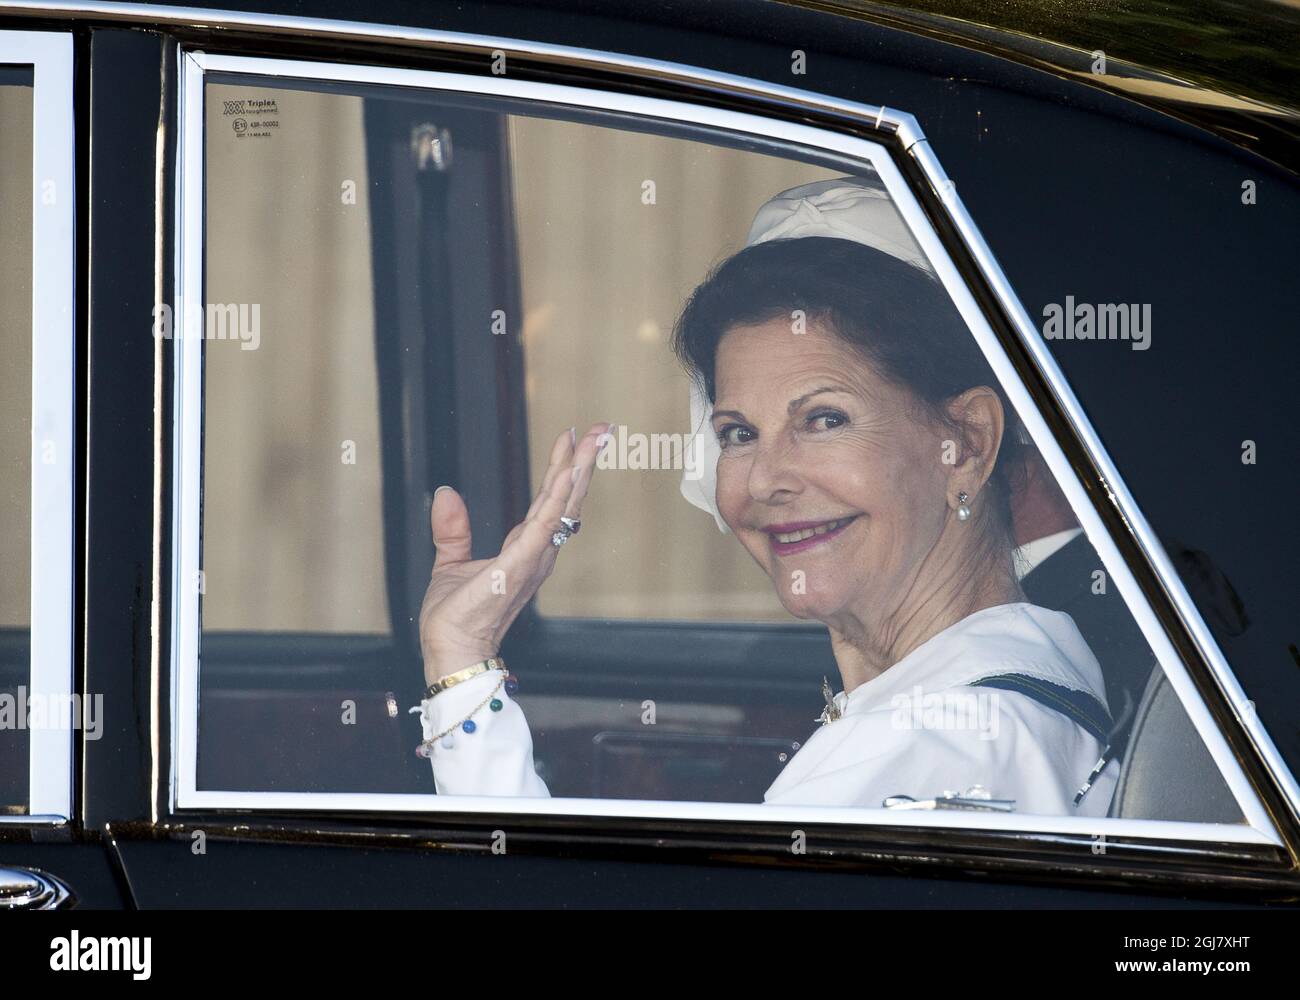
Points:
[446,738]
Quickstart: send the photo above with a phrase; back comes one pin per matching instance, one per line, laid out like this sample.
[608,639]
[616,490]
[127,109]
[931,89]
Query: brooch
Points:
[832,711]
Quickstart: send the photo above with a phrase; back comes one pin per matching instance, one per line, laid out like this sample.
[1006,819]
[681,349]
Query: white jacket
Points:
[921,728]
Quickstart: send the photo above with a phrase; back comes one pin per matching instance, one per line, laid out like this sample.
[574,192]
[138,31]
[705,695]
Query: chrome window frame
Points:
[50,749]
[187,385]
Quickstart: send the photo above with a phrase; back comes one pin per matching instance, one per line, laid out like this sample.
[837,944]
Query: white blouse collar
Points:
[1006,638]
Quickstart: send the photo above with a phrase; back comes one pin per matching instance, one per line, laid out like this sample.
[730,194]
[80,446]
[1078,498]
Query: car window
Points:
[830,555]
[295,382]
[15,427]
[617,359]
[38,710]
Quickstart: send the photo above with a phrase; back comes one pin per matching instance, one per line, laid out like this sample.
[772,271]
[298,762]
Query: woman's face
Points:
[829,475]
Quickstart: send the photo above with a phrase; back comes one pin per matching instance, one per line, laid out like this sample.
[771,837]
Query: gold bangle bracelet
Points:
[460,676]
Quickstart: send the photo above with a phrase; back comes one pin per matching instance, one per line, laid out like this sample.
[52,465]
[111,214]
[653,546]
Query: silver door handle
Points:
[31,889]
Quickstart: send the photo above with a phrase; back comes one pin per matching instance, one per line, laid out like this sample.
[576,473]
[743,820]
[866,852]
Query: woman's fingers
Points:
[530,552]
[451,531]
[562,459]
[584,465]
[568,503]
[560,452]
[559,460]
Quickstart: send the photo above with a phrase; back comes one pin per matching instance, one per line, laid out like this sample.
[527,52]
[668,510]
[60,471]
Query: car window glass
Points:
[15,426]
[405,289]
[293,381]
[611,350]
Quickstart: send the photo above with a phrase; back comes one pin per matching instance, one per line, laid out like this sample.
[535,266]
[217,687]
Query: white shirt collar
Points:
[1032,554]
[1006,638]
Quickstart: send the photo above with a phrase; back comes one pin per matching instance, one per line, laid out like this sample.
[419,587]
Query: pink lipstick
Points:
[796,536]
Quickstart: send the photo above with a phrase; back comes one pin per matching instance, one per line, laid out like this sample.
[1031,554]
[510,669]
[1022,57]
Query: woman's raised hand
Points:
[471,603]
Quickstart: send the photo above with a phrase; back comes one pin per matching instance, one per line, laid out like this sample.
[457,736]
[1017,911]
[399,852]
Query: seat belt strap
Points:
[1079,707]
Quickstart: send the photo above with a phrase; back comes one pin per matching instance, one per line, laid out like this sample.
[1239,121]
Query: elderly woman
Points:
[864,460]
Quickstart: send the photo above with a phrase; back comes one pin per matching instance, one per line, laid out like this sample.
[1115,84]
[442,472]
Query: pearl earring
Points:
[963,512]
